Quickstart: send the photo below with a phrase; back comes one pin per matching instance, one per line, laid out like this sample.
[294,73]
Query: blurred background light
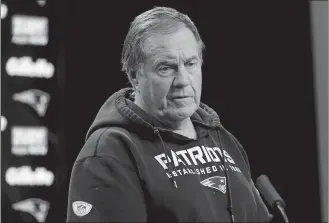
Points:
[4,10]
[42,3]
[3,123]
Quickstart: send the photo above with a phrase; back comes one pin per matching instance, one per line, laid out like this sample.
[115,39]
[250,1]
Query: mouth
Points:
[181,97]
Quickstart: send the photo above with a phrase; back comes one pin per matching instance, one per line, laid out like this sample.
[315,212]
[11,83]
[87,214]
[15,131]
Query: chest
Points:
[202,186]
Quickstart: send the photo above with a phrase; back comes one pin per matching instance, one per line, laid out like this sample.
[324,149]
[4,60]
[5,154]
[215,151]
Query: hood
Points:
[119,110]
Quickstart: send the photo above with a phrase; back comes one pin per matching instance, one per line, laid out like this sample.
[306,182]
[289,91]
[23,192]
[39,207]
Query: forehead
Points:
[181,43]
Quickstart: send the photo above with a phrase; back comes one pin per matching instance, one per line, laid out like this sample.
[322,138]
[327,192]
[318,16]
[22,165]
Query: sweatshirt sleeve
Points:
[104,190]
[263,213]
[262,210]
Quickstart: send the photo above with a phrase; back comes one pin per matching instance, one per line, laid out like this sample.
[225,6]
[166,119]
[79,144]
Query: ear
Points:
[133,78]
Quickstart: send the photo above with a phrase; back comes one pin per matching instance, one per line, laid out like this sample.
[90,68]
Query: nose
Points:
[182,77]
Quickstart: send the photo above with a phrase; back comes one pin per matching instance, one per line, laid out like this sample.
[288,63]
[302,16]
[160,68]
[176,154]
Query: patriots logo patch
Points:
[217,182]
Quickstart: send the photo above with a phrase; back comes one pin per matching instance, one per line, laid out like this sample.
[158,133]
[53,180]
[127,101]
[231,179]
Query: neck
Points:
[187,130]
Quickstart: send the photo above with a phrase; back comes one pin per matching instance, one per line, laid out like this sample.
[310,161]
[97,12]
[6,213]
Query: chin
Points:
[179,114]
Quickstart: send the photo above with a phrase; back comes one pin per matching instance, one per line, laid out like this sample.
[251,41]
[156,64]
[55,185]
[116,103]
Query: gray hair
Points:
[161,19]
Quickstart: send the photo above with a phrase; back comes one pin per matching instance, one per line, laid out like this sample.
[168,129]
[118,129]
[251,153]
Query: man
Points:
[155,153]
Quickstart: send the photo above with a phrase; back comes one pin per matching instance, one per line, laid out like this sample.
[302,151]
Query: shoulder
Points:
[239,147]
[107,142]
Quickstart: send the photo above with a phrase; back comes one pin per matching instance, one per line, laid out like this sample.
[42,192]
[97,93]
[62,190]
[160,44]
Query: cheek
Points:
[160,89]
[197,83]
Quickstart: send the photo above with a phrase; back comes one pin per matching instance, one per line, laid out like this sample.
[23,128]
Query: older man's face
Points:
[171,77]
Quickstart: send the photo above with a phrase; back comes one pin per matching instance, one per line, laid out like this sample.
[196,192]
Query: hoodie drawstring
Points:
[165,149]
[222,159]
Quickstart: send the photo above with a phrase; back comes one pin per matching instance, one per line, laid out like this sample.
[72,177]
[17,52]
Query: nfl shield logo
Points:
[81,208]
[217,182]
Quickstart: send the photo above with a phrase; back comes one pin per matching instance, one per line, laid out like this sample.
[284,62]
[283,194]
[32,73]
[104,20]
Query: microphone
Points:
[271,196]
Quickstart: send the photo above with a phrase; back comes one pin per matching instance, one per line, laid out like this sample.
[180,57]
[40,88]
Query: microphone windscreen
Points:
[267,190]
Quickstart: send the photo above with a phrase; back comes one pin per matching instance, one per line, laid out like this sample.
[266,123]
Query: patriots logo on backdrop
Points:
[217,182]
[37,207]
[35,98]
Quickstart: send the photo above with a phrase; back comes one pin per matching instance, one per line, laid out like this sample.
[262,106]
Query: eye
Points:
[165,70]
[191,64]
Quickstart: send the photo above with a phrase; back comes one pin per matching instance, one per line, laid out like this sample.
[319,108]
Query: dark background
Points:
[257,75]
